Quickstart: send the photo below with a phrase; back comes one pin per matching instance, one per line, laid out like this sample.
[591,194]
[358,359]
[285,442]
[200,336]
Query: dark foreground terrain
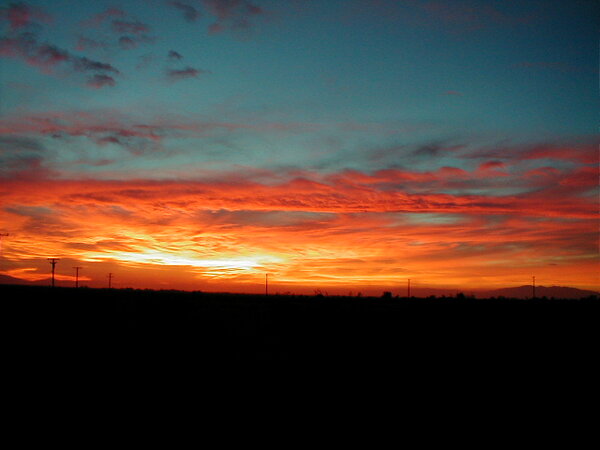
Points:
[204,328]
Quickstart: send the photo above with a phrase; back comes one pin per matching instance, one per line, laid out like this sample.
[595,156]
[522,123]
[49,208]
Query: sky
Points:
[335,145]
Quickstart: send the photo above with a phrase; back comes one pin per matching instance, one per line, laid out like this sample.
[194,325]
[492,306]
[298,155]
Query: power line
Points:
[53,262]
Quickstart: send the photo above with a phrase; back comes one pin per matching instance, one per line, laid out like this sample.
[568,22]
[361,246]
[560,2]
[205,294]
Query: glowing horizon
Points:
[201,144]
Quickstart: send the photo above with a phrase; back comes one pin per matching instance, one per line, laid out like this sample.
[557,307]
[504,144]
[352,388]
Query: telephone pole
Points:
[110,275]
[408,289]
[77,276]
[266,284]
[53,263]
[533,287]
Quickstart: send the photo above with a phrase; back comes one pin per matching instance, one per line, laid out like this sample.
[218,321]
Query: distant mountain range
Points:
[6,279]
[524,292]
[540,291]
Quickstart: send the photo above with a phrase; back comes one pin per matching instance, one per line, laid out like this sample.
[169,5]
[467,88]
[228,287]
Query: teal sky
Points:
[319,84]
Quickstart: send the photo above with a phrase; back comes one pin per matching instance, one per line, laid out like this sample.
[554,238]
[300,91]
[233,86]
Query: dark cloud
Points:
[130,42]
[190,13]
[129,27]
[188,72]
[174,56]
[127,42]
[18,15]
[435,149]
[100,80]
[546,65]
[46,57]
[98,19]
[583,150]
[18,144]
[24,167]
[231,14]
[85,65]
[85,43]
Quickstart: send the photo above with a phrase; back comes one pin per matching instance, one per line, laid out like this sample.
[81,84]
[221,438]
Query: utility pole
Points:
[408,289]
[77,276]
[533,287]
[53,263]
[110,275]
[266,284]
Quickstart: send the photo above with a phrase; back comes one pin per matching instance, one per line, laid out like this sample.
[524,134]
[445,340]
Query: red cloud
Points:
[98,19]
[587,154]
[302,230]
[492,165]
[133,27]
[232,14]
[20,15]
[336,196]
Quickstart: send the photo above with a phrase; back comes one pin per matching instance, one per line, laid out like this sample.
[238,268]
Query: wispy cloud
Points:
[22,42]
[47,57]
[339,228]
[100,80]
[85,43]
[19,15]
[98,19]
[174,56]
[232,14]
[190,13]
[187,72]
[130,27]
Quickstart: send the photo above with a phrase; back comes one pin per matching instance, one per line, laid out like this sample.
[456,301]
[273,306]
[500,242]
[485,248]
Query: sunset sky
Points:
[337,145]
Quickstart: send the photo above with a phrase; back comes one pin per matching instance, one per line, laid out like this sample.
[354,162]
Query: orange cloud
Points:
[340,231]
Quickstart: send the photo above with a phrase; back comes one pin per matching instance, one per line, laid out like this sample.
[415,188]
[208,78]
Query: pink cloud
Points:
[20,15]
[231,14]
[188,72]
[98,19]
[492,165]
[98,81]
[587,154]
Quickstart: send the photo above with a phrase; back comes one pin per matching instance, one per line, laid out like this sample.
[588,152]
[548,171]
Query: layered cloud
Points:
[210,181]
[233,15]
[490,218]
[338,229]
[186,72]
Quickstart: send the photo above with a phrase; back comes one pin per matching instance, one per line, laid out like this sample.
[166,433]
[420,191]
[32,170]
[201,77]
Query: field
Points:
[206,327]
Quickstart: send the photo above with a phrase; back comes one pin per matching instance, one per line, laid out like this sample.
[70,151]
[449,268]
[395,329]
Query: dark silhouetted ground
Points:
[204,328]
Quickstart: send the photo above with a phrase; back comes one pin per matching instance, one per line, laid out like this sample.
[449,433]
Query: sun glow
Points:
[155,257]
